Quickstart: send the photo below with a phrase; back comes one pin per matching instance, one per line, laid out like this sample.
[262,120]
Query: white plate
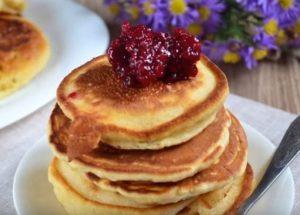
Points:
[33,194]
[76,35]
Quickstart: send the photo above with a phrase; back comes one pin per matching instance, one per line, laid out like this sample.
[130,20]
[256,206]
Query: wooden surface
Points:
[274,83]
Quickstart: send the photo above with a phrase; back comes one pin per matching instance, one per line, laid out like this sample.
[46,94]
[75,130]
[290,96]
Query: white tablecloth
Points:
[19,137]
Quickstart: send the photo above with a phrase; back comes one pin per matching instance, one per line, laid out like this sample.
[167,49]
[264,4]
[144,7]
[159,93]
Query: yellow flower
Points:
[148,9]
[259,54]
[231,57]
[209,36]
[297,27]
[134,12]
[271,27]
[178,7]
[114,9]
[286,4]
[204,12]
[281,37]
[194,29]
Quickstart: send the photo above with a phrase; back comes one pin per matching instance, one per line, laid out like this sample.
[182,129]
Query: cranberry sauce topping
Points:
[185,52]
[141,56]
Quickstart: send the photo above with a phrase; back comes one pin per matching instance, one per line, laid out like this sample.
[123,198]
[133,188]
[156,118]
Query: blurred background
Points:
[256,42]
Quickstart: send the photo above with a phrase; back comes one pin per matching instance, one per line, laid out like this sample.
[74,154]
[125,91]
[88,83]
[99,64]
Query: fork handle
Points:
[284,154]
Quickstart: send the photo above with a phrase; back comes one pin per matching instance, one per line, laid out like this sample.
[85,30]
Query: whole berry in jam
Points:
[141,56]
[185,52]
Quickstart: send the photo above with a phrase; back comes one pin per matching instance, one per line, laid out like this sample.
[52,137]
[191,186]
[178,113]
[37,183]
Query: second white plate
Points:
[33,194]
[76,35]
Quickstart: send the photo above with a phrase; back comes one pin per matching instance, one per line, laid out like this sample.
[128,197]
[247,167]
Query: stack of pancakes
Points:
[163,149]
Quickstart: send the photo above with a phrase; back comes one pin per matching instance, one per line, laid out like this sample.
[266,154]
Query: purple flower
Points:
[109,2]
[117,8]
[286,11]
[271,25]
[213,50]
[247,54]
[181,13]
[295,42]
[154,14]
[262,26]
[209,11]
[263,40]
[256,5]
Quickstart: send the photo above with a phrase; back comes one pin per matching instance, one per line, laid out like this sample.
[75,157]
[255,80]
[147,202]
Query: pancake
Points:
[226,200]
[86,188]
[230,165]
[166,165]
[96,101]
[83,184]
[75,203]
[12,6]
[24,51]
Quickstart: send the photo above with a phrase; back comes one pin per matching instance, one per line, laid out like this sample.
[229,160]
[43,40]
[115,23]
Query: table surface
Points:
[274,83]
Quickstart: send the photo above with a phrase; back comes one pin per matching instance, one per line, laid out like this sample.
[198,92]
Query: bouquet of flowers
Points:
[231,31]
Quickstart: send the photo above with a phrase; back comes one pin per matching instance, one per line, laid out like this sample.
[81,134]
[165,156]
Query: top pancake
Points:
[24,51]
[124,116]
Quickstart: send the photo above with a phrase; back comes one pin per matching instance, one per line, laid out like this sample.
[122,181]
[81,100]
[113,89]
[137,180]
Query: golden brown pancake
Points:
[224,201]
[12,6]
[228,198]
[247,188]
[83,184]
[24,51]
[230,165]
[94,98]
[75,203]
[166,165]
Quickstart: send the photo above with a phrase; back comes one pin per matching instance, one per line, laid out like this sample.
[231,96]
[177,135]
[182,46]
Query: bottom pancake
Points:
[223,201]
[75,203]
[83,184]
[79,196]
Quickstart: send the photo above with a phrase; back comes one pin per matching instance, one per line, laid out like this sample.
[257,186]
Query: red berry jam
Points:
[185,52]
[141,56]
[73,95]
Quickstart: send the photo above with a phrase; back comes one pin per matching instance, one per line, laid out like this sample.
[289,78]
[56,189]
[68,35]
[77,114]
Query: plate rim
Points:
[287,170]
[34,108]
